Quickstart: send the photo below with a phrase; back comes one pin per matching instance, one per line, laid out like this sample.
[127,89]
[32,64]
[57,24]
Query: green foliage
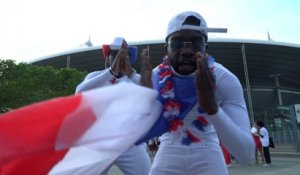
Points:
[22,84]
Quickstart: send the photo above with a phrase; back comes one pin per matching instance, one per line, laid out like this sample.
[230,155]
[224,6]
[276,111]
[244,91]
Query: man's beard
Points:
[185,65]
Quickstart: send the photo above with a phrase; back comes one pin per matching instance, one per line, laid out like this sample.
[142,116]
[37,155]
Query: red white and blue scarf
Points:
[177,103]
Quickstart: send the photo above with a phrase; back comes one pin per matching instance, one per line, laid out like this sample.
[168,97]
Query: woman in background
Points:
[258,145]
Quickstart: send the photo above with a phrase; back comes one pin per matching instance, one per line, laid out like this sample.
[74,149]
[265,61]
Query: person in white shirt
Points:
[264,138]
[202,103]
[136,160]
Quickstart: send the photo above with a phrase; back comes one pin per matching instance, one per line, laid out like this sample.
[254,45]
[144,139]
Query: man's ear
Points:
[206,48]
[166,49]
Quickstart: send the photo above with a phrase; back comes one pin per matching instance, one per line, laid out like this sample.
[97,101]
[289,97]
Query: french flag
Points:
[78,134]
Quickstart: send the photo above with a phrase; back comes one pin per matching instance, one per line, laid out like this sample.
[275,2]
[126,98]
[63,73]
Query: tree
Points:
[22,84]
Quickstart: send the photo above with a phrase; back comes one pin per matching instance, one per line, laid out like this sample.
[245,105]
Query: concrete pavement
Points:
[283,163]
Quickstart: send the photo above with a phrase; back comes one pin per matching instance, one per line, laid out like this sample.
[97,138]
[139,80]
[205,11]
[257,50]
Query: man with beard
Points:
[202,103]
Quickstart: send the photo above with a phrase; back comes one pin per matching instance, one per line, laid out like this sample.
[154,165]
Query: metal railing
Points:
[281,124]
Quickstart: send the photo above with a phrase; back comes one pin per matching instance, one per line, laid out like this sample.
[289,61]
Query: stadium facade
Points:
[268,71]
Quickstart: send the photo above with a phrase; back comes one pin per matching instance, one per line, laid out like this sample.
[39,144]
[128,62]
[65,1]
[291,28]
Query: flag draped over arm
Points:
[35,128]
[102,123]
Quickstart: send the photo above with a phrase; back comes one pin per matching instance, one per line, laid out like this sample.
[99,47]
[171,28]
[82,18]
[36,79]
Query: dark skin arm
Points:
[146,69]
[205,86]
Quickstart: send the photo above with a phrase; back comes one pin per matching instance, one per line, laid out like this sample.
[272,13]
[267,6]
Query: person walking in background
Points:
[202,103]
[120,56]
[258,145]
[264,138]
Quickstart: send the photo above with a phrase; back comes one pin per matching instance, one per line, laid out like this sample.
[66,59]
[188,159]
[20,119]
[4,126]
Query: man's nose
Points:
[187,51]
[188,45]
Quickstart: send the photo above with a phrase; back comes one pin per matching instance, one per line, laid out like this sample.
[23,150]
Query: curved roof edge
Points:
[253,41]
[224,40]
[67,52]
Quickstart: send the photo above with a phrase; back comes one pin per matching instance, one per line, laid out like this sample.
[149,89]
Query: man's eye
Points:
[197,44]
[176,44]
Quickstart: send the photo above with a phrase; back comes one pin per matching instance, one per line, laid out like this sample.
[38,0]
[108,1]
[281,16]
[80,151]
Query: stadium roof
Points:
[265,59]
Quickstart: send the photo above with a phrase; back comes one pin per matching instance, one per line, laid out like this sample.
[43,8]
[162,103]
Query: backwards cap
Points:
[116,45]
[178,23]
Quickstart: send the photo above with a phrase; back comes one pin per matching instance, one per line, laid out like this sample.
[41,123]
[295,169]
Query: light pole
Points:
[247,83]
[277,87]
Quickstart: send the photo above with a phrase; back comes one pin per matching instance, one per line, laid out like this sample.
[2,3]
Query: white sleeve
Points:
[232,121]
[262,133]
[94,80]
[135,77]
[104,78]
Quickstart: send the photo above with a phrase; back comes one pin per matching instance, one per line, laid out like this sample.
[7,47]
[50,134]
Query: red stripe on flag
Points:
[35,128]
[36,164]
[73,127]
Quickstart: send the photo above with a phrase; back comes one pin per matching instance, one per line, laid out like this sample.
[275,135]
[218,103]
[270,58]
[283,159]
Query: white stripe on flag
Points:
[125,113]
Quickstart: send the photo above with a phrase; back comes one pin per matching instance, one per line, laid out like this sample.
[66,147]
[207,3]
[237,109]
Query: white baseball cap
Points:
[177,23]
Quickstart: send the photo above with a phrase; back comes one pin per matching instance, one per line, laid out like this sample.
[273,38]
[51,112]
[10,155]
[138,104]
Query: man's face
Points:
[181,49]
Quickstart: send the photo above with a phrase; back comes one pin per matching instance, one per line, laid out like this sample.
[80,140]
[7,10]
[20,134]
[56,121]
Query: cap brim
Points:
[216,30]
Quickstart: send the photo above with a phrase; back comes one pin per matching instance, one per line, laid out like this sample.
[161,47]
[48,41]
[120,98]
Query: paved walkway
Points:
[282,164]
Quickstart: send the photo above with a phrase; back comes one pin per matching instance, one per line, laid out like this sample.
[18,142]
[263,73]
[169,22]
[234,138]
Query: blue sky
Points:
[31,29]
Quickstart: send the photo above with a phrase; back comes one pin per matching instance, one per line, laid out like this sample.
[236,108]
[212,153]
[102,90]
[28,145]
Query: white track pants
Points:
[204,158]
[134,161]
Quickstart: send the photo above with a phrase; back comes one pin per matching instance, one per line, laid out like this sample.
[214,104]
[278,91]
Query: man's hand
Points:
[121,65]
[116,67]
[146,69]
[127,69]
[205,86]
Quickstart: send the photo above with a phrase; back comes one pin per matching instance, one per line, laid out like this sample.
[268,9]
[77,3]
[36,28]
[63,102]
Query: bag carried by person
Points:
[271,142]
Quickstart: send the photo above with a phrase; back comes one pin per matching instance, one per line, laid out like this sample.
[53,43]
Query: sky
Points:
[32,29]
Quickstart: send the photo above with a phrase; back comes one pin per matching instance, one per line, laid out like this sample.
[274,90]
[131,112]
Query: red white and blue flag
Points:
[78,134]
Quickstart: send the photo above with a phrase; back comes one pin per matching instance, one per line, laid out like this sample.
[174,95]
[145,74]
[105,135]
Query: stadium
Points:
[268,71]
